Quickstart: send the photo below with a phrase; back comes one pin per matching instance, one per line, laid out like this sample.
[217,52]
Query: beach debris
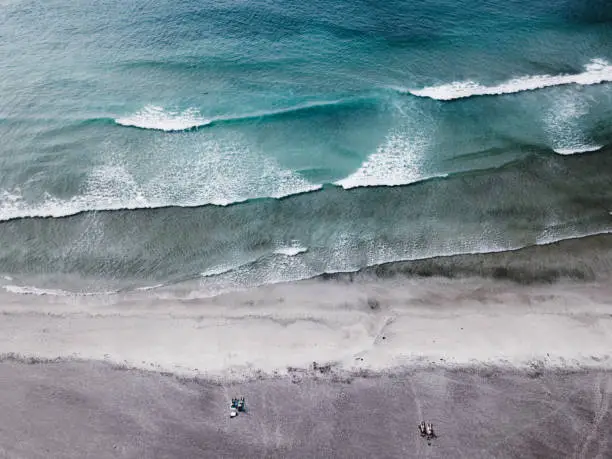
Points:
[238,406]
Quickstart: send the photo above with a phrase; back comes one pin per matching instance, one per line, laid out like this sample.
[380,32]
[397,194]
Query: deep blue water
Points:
[247,142]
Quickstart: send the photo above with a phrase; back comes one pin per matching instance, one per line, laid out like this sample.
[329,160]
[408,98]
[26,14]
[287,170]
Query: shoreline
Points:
[581,258]
[502,368]
[386,325]
[387,318]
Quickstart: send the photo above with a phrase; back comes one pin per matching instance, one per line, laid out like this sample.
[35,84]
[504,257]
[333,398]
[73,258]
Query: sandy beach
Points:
[357,322]
[86,409]
[506,366]
[358,215]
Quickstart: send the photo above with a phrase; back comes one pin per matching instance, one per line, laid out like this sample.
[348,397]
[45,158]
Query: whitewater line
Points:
[577,150]
[16,209]
[156,118]
[55,208]
[596,72]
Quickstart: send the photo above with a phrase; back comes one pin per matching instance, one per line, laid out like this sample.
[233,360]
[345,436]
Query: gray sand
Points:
[93,410]
[544,309]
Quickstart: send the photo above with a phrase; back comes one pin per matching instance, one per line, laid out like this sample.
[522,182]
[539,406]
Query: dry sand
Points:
[78,410]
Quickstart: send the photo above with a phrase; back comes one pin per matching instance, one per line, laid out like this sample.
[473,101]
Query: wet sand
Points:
[376,325]
[86,409]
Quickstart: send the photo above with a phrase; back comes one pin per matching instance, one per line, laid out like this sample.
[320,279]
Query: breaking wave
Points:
[290,251]
[398,161]
[567,128]
[154,117]
[596,72]
[578,150]
[157,118]
[239,175]
[13,206]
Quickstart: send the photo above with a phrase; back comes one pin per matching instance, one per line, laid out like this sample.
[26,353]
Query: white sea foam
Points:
[270,270]
[578,149]
[596,72]
[290,251]
[565,125]
[154,117]
[218,270]
[217,173]
[33,290]
[149,287]
[398,161]
[30,290]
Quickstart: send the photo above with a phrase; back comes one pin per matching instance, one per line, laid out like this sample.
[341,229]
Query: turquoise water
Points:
[241,143]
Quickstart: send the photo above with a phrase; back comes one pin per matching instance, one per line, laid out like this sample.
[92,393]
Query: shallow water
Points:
[244,143]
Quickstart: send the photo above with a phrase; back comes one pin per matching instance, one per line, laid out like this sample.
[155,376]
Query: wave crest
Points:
[290,251]
[596,72]
[578,150]
[157,118]
[154,117]
[400,160]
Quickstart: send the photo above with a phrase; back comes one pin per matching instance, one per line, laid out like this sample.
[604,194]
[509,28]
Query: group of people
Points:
[237,405]
[426,429]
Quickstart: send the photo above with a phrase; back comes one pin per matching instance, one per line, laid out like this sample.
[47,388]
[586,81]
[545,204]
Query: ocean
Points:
[148,144]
